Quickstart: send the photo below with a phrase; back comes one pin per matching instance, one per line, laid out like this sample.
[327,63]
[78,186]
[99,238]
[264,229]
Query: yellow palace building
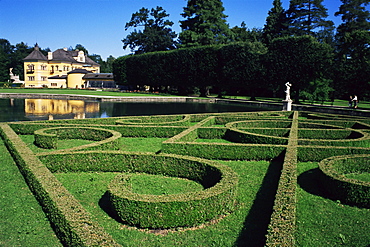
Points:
[59,69]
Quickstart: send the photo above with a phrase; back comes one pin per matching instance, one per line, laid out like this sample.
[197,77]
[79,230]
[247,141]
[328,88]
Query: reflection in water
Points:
[51,107]
[44,109]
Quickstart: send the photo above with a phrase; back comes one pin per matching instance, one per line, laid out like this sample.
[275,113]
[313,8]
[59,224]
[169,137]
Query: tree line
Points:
[11,56]
[298,44]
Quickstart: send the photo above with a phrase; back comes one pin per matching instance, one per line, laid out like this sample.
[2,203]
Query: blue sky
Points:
[99,24]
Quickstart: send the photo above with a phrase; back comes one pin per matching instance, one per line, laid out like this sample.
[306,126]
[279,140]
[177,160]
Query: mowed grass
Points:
[132,144]
[148,184]
[141,144]
[22,221]
[323,222]
[77,92]
[235,229]
[62,144]
[320,221]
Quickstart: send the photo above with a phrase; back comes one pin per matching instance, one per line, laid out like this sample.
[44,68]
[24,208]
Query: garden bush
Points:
[340,187]
[292,137]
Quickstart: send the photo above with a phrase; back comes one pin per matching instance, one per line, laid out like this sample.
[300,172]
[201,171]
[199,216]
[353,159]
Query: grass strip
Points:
[22,221]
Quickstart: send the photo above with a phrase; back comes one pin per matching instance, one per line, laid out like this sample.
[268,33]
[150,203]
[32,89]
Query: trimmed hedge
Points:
[282,228]
[174,120]
[157,211]
[188,209]
[125,130]
[329,134]
[318,153]
[259,136]
[48,138]
[351,191]
[72,223]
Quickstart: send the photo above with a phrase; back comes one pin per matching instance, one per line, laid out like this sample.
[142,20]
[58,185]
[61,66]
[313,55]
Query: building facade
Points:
[59,69]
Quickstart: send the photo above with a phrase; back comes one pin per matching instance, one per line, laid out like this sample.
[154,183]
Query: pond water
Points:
[43,109]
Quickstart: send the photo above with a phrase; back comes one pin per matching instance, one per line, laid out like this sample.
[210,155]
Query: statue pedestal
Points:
[287,105]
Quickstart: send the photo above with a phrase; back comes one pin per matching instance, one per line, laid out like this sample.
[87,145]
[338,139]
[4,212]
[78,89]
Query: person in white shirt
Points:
[355,101]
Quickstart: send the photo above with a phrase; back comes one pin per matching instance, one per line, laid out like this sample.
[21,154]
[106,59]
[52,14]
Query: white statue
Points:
[14,78]
[287,91]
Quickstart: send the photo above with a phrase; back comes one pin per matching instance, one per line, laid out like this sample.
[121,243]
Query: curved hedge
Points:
[48,137]
[176,120]
[351,191]
[177,210]
[259,136]
[236,134]
[73,225]
[185,209]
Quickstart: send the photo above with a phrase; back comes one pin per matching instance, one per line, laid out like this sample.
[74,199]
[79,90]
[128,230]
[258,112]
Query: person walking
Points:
[350,101]
[355,101]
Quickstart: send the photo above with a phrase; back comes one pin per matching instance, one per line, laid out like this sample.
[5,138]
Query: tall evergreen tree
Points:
[355,17]
[307,16]
[6,50]
[276,22]
[205,24]
[352,70]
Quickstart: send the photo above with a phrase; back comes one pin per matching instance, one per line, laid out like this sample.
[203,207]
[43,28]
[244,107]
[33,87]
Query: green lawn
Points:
[77,92]
[320,220]
[22,221]
[323,222]
[90,189]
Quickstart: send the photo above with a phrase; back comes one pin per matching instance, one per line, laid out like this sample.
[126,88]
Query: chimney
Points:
[50,55]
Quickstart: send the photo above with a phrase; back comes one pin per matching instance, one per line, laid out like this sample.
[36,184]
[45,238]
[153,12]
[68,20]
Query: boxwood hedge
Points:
[254,136]
[339,186]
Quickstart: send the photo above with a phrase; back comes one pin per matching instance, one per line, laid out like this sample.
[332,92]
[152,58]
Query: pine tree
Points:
[307,16]
[352,70]
[276,22]
[355,18]
[205,24]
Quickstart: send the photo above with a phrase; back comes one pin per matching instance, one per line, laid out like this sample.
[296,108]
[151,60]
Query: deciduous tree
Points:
[299,60]
[155,34]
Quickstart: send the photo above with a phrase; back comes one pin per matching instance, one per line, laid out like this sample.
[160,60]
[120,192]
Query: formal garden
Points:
[221,179]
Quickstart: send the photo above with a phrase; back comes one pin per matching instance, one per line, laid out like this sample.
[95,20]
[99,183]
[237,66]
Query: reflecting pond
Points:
[43,109]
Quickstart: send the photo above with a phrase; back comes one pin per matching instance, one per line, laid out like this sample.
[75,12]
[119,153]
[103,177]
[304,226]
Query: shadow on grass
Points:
[312,181]
[256,223]
[106,206]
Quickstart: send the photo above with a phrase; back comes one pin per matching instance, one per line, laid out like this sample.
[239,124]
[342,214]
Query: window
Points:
[31,68]
[53,84]
[43,78]
[43,67]
[31,78]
